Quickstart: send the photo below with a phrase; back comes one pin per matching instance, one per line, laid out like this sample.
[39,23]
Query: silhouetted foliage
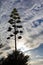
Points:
[20,26]
[11,35]
[19,37]
[8,37]
[18,21]
[21,31]
[16,32]
[11,21]
[16,58]
[9,29]
[1,61]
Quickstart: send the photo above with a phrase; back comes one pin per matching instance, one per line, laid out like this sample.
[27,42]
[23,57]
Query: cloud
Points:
[33,28]
[32,21]
[37,62]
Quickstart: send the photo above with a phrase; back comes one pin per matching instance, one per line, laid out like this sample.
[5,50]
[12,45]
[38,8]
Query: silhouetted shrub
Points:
[16,58]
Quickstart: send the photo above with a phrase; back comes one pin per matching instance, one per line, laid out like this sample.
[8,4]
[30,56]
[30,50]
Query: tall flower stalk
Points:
[14,21]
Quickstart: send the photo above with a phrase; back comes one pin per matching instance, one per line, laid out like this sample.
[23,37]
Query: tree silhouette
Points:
[17,57]
[15,22]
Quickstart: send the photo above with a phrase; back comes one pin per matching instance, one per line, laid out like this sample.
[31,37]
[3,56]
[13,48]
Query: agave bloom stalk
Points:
[14,21]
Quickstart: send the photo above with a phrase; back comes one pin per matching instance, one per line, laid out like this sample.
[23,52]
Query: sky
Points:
[31,13]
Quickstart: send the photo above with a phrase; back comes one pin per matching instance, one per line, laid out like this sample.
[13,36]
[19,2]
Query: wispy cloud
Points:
[37,62]
[32,21]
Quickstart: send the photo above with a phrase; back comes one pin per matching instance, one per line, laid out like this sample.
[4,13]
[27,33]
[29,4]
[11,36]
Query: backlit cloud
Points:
[32,21]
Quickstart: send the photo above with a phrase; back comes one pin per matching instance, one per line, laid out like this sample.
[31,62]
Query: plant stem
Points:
[15,38]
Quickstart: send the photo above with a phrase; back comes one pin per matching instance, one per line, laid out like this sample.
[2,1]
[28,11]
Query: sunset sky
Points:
[31,13]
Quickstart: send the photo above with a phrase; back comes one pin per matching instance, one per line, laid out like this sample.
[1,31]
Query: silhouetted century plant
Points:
[20,59]
[17,57]
[15,22]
